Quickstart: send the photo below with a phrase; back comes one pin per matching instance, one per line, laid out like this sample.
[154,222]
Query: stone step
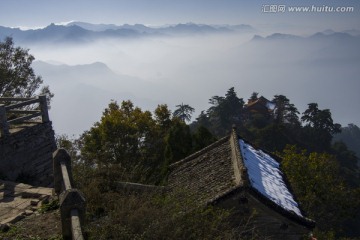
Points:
[18,200]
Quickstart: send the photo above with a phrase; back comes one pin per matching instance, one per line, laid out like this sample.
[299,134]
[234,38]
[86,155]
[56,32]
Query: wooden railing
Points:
[7,108]
[72,201]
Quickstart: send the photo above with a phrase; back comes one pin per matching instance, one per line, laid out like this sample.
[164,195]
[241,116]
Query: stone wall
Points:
[26,155]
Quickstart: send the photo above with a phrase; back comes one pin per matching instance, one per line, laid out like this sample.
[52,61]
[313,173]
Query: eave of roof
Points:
[306,222]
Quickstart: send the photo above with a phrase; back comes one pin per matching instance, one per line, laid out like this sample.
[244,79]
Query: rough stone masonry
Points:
[26,154]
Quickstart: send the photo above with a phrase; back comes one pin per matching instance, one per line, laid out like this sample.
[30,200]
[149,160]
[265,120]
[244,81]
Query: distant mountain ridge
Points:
[321,49]
[82,32]
[85,32]
[327,34]
[190,27]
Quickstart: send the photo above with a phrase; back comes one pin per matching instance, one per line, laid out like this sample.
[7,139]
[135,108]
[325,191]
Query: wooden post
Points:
[76,225]
[4,126]
[44,109]
[72,201]
[61,165]
[72,213]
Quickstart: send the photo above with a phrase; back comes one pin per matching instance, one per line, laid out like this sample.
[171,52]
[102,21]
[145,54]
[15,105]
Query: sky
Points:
[40,13]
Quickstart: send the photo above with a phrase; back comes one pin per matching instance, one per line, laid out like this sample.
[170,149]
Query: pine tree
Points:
[183,112]
[319,127]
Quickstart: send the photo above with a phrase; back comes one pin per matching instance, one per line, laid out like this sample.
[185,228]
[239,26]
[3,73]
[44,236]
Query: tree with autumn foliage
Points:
[126,138]
[139,144]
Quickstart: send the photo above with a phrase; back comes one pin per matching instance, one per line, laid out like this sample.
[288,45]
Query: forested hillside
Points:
[350,135]
[129,144]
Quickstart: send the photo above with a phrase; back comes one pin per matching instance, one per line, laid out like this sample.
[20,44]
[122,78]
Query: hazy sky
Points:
[39,13]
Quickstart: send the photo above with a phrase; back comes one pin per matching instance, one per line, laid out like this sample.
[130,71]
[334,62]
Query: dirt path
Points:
[36,227]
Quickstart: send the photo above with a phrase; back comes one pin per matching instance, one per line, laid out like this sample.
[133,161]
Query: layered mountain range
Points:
[80,32]
[188,63]
[85,32]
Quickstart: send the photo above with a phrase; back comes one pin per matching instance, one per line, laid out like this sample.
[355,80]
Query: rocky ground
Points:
[35,227]
[28,212]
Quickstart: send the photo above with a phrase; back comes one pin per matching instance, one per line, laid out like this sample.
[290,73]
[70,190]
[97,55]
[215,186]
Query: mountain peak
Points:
[278,36]
[328,31]
[257,38]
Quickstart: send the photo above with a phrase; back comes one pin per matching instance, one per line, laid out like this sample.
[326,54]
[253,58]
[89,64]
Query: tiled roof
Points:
[263,102]
[266,177]
[224,168]
[205,174]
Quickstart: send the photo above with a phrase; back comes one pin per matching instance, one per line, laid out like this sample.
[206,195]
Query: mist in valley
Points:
[322,68]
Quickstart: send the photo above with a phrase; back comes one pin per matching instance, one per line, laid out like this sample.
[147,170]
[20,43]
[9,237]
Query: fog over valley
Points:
[176,65]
